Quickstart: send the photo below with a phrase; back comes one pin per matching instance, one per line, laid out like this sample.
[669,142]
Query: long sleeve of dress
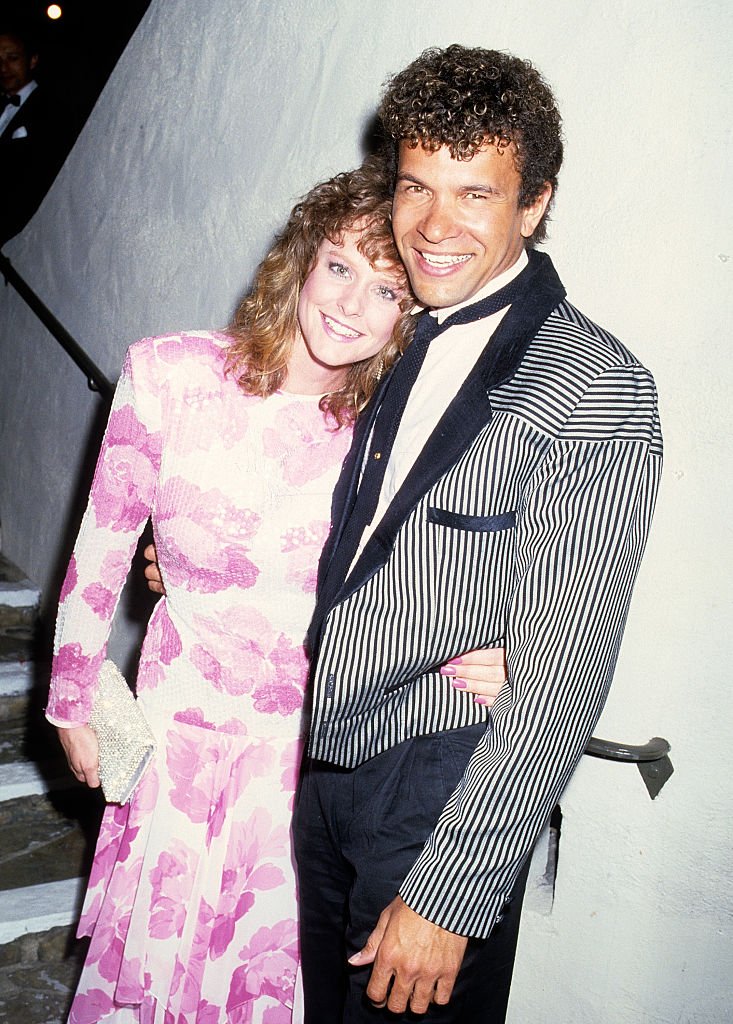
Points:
[119,505]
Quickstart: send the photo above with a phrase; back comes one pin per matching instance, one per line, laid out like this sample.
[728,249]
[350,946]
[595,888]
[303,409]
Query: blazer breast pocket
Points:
[473,524]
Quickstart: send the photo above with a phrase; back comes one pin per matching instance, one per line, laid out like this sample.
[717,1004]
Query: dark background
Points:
[80,49]
[76,55]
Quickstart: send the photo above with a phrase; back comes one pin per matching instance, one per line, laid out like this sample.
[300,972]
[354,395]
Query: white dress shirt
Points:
[449,359]
[10,111]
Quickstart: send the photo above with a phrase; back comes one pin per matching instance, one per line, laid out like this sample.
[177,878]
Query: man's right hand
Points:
[152,572]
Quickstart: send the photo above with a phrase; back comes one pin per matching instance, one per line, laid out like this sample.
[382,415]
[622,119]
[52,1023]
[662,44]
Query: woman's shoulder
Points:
[182,346]
[167,356]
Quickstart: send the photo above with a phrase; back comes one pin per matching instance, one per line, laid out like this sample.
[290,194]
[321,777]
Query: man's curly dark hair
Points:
[463,97]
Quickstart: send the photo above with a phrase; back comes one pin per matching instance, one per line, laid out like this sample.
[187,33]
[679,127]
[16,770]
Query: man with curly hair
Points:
[507,503]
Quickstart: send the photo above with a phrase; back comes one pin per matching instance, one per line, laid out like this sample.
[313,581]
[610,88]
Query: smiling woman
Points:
[225,441]
[346,313]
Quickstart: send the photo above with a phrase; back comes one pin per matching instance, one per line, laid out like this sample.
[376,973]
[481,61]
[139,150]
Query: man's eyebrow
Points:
[490,190]
[404,176]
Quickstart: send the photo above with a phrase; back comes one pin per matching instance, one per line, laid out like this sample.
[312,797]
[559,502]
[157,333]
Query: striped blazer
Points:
[522,523]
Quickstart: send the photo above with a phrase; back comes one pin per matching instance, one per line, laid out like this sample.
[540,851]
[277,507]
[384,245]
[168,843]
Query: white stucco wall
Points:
[216,118]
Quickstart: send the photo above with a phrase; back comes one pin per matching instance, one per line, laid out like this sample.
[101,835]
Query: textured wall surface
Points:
[217,117]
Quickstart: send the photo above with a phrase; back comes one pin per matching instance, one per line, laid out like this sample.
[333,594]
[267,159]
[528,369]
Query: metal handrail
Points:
[95,378]
[654,750]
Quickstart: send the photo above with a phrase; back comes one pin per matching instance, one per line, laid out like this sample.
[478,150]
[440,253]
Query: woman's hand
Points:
[152,572]
[82,752]
[482,673]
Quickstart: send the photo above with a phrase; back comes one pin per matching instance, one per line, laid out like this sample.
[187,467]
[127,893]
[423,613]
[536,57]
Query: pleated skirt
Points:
[191,904]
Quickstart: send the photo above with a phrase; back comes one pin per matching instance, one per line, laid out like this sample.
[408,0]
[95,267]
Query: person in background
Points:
[232,443]
[35,131]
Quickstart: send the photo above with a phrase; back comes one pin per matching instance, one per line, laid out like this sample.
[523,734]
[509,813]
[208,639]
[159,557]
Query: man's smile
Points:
[439,260]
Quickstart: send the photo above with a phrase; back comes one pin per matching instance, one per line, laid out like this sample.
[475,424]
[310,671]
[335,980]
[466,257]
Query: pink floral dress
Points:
[191,900]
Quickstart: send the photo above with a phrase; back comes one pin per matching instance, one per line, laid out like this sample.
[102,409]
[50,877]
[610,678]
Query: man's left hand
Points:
[419,958]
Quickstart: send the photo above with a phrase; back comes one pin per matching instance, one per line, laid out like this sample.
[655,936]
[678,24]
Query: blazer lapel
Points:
[463,420]
[344,495]
[19,118]
[7,133]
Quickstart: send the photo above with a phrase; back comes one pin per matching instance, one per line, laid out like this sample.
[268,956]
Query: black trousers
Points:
[357,832]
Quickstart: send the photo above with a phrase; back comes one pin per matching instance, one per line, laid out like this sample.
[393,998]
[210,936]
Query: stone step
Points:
[48,827]
[46,844]
[31,761]
[48,837]
[18,643]
[23,684]
[32,909]
[19,597]
[38,976]
[16,678]
[24,778]
[19,601]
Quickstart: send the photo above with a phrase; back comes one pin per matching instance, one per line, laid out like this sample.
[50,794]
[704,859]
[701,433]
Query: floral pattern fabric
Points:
[191,899]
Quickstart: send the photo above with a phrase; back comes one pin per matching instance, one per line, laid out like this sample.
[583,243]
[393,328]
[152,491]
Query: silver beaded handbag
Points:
[126,743]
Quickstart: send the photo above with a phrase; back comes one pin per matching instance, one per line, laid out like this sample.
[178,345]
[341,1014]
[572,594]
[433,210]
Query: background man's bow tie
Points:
[9,101]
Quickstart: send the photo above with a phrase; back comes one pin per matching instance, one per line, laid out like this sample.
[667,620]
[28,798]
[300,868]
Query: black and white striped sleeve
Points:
[581,532]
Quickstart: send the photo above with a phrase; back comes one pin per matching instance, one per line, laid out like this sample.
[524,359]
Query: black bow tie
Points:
[9,101]
[484,307]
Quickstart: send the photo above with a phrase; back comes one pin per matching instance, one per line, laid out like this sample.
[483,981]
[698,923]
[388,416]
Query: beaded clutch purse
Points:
[126,743]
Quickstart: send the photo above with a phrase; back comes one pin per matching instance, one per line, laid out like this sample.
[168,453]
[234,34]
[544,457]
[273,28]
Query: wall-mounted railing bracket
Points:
[655,774]
[650,758]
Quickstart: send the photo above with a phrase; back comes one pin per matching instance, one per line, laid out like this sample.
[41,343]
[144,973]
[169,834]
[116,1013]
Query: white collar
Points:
[27,89]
